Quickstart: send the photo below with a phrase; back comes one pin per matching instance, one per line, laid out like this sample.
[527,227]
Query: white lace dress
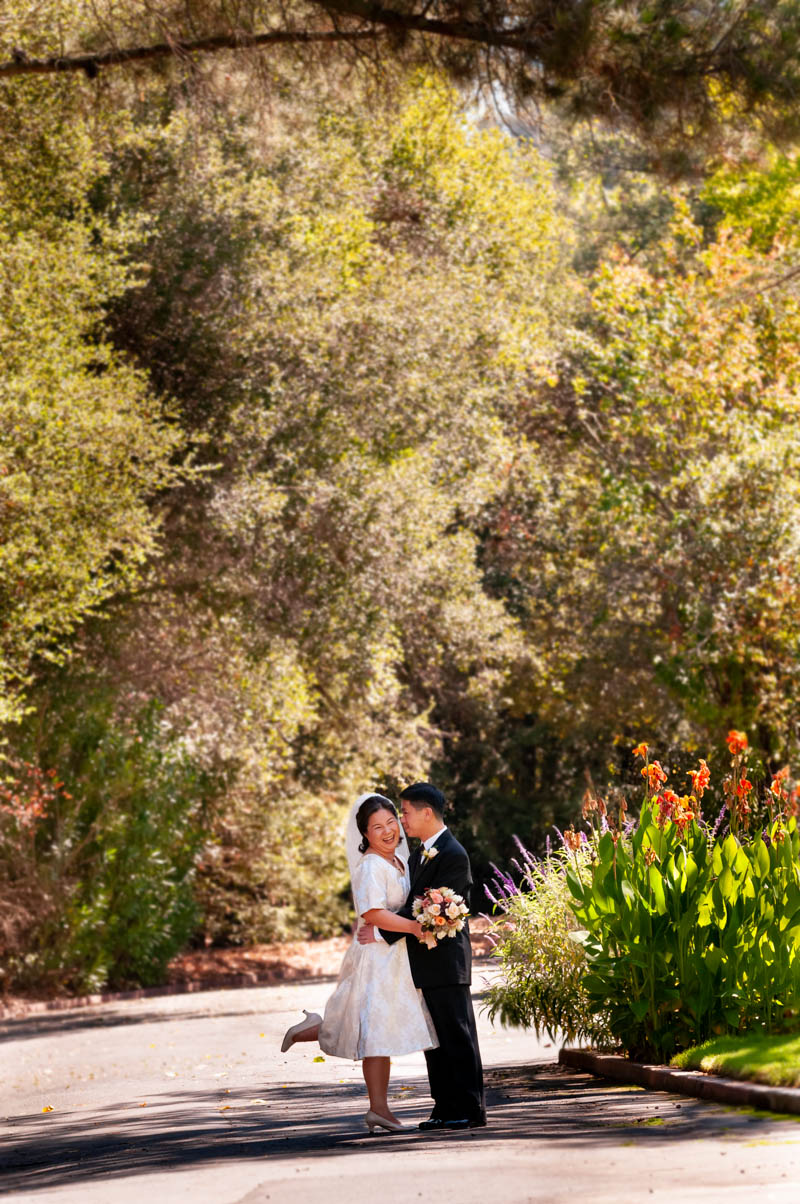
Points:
[376,1011]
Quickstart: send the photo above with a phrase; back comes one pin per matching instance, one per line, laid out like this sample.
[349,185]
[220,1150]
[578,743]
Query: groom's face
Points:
[414,818]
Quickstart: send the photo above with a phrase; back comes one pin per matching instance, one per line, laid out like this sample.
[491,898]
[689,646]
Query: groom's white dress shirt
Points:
[431,841]
[426,844]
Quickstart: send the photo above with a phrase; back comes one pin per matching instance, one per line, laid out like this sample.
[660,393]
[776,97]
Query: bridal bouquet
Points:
[441,912]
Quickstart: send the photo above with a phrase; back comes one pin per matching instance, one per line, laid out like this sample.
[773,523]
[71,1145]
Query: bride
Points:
[375,1011]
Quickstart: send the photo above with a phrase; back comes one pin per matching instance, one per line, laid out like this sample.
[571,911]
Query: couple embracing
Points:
[396,993]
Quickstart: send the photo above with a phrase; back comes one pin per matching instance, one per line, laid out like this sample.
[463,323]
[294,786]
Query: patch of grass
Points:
[757,1057]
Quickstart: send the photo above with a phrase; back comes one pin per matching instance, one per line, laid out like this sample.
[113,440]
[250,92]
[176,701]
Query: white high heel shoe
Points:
[374,1121]
[311,1018]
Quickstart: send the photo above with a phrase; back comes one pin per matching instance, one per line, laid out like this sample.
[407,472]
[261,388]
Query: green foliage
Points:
[83,442]
[687,933]
[761,201]
[542,967]
[462,513]
[345,305]
[647,539]
[109,864]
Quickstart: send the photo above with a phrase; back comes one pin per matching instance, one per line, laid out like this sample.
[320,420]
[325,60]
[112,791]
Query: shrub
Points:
[542,967]
[104,891]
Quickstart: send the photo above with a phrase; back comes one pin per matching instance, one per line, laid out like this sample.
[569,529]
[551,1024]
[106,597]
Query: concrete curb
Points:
[684,1082]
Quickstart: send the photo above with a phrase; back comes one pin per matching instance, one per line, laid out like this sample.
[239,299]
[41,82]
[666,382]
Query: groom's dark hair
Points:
[422,794]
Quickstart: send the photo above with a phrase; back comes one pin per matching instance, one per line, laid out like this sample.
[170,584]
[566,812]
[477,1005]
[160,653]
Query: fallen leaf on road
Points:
[143,1105]
[318,1058]
[261,1034]
[258,1101]
[225,1108]
[48,1108]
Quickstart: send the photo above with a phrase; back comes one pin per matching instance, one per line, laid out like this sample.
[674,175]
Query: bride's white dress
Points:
[375,1010]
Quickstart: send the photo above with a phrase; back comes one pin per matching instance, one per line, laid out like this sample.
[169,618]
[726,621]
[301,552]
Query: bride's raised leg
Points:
[306,1030]
[308,1034]
[376,1076]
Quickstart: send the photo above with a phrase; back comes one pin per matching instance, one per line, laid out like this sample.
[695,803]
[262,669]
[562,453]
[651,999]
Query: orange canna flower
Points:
[700,778]
[640,751]
[737,742]
[744,787]
[654,773]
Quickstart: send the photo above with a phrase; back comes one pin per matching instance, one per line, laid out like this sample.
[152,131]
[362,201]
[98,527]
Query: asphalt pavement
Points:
[188,1098]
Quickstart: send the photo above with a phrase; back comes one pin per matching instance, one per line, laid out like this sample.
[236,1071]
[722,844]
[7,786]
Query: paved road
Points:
[188,1099]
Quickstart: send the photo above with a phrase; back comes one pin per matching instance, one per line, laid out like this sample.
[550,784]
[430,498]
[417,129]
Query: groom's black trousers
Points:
[454,1069]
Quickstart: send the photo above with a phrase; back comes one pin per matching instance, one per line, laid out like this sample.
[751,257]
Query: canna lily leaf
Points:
[657,887]
[712,958]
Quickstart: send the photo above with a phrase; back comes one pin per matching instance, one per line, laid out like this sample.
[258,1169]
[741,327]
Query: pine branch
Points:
[481,32]
[92,64]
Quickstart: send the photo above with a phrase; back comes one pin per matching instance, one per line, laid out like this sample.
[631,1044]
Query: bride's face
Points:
[383,833]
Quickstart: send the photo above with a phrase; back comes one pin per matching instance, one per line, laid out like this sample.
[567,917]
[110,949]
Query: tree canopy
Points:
[348,439]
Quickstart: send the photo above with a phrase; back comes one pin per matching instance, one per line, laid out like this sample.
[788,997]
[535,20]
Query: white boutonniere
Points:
[429,854]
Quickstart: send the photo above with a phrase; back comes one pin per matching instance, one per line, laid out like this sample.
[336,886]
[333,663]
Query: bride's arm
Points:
[381,917]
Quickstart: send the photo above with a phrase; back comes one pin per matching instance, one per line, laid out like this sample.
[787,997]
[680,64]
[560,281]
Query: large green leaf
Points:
[657,887]
[712,957]
[729,850]
[727,885]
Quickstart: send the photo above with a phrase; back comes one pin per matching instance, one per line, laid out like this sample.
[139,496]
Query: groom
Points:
[444,972]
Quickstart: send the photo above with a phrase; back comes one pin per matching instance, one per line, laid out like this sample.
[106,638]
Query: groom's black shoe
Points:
[432,1124]
[464,1122]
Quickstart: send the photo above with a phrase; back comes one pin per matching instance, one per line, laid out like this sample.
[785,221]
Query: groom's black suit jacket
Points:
[450,963]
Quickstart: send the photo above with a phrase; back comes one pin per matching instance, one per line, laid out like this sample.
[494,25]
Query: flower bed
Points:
[686,930]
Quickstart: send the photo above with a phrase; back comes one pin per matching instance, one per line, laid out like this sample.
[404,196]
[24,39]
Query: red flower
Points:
[737,742]
[640,751]
[744,787]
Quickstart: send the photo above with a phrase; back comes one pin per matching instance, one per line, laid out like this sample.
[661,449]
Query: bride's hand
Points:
[417,930]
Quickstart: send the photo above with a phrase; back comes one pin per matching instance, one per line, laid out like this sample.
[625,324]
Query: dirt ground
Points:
[281,963]
[290,961]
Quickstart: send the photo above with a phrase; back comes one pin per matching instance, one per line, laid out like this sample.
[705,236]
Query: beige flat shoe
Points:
[289,1036]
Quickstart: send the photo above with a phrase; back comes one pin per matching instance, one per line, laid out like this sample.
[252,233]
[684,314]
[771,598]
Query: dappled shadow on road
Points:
[185,1130]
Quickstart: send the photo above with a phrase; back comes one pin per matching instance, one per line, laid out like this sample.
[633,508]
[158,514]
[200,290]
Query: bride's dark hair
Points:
[366,811]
